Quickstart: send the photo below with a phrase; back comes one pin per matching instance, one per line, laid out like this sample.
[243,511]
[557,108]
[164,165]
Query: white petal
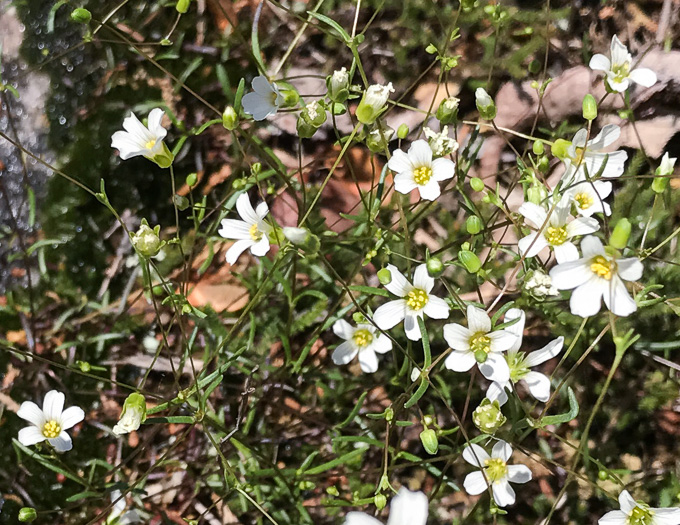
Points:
[582,226]
[399,285]
[382,344]
[586,299]
[31,413]
[368,361]
[412,328]
[235,229]
[478,320]
[420,154]
[408,508]
[390,314]
[261,247]
[422,280]
[571,274]
[154,123]
[617,298]
[404,183]
[53,405]
[613,517]
[532,244]
[400,163]
[30,436]
[579,139]
[666,516]
[460,361]
[496,392]
[495,368]
[519,474]
[126,145]
[430,191]
[501,450]
[139,132]
[626,502]
[343,329]
[533,214]
[501,340]
[245,209]
[629,269]
[261,210]
[516,329]
[475,455]
[619,52]
[643,76]
[262,86]
[443,169]
[344,353]
[62,443]
[457,336]
[503,494]
[549,351]
[591,246]
[539,385]
[474,483]
[600,63]
[237,249]
[436,308]
[609,134]
[258,106]
[71,417]
[360,518]
[566,252]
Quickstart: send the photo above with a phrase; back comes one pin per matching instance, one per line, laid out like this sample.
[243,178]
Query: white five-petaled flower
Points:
[638,513]
[251,232]
[364,340]
[416,169]
[597,275]
[588,196]
[414,301]
[264,100]
[49,423]
[478,344]
[554,231]
[588,155]
[140,140]
[520,363]
[495,472]
[619,70]
[406,508]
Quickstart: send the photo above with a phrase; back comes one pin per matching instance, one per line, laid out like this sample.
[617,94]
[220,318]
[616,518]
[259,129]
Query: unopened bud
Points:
[473,224]
[27,514]
[290,97]
[230,118]
[537,193]
[538,147]
[589,107]
[81,15]
[302,238]
[620,235]
[373,102]
[191,179]
[428,438]
[132,416]
[435,267]
[182,6]
[384,276]
[338,85]
[665,170]
[476,184]
[485,104]
[377,139]
[470,261]
[380,500]
[402,131]
[146,241]
[488,417]
[447,112]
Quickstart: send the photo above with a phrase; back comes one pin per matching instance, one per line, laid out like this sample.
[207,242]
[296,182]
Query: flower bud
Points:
[428,438]
[620,235]
[470,261]
[290,97]
[380,500]
[485,104]
[473,224]
[447,112]
[538,147]
[603,475]
[389,414]
[384,276]
[146,241]
[27,514]
[305,130]
[373,102]
[133,414]
[377,139]
[435,267]
[537,193]
[302,238]
[589,107]
[560,149]
[81,15]
[191,180]
[488,417]
[230,118]
[338,85]
[182,6]
[476,184]
[314,113]
[660,182]
[402,131]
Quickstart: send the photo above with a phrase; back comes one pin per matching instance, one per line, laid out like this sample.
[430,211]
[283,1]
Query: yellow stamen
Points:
[150,144]
[362,338]
[51,429]
[422,175]
[602,267]
[496,469]
[416,299]
[556,235]
[584,200]
[255,233]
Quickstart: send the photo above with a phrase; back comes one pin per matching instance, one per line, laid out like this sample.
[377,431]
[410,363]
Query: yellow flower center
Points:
[480,346]
[583,200]
[362,338]
[51,429]
[578,157]
[422,175]
[621,71]
[640,515]
[150,144]
[556,235]
[496,469]
[416,299]
[601,267]
[255,233]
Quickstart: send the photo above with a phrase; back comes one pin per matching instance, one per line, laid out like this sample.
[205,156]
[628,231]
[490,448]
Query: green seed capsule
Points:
[477,184]
[191,179]
[621,234]
[428,438]
[435,267]
[81,15]
[27,514]
[182,6]
[589,107]
[402,131]
[385,276]
[473,224]
[538,147]
[470,261]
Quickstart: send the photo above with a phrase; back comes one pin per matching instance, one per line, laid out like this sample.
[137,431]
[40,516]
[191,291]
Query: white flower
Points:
[49,423]
[415,301]
[365,340]
[618,69]
[440,143]
[264,100]
[416,169]
[251,232]
[406,508]
[556,233]
[118,515]
[139,140]
[339,80]
[589,155]
[482,98]
[595,276]
[478,344]
[132,416]
[588,196]
[540,285]
[372,102]
[638,513]
[520,363]
[667,165]
[495,472]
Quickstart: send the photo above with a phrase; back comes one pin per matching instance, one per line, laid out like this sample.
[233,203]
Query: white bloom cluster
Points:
[441,143]
[540,285]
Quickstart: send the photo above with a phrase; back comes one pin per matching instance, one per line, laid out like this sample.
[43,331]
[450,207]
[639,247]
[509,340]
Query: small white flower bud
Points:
[132,416]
